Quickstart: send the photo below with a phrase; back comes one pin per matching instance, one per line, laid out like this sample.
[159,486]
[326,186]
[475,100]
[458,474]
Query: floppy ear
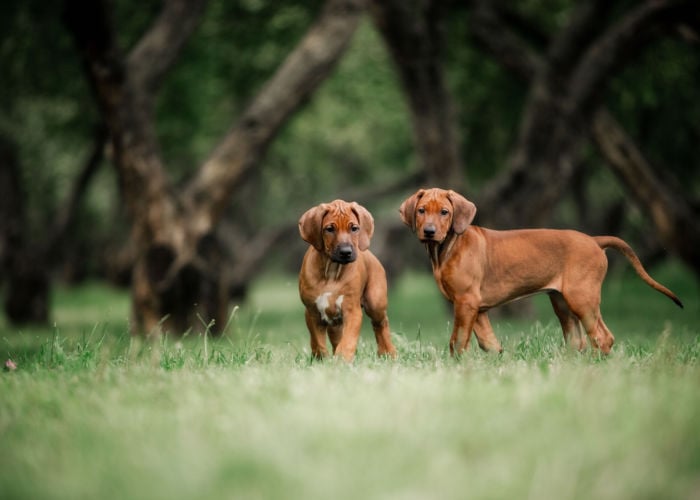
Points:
[366,224]
[464,212]
[310,226]
[408,209]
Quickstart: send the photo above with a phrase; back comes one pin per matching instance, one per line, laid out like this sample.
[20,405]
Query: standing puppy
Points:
[478,268]
[339,276]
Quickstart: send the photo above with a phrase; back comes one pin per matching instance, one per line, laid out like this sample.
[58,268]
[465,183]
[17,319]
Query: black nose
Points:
[429,231]
[345,252]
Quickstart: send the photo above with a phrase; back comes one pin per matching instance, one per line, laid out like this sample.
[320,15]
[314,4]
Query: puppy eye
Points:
[329,229]
[421,210]
[355,229]
[444,211]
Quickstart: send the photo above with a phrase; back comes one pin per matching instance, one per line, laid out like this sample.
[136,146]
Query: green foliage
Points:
[354,131]
[46,106]
[657,95]
[489,104]
[236,48]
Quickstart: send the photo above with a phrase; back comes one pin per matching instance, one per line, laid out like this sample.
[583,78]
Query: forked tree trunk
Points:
[177,280]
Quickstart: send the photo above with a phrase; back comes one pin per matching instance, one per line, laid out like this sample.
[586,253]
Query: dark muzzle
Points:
[344,254]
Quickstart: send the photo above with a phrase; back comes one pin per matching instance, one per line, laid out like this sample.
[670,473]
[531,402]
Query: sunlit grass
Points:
[92,413]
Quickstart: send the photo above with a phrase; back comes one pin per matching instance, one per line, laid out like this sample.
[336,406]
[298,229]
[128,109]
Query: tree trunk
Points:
[11,204]
[674,219]
[551,132]
[28,288]
[413,32]
[25,273]
[177,283]
[565,89]
[27,265]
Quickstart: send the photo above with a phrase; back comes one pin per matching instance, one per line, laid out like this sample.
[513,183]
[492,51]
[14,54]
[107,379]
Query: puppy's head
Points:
[339,229]
[433,213]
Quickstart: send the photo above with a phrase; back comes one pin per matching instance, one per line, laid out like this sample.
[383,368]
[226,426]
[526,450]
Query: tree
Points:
[176,281]
[414,35]
[565,109]
[43,186]
[24,262]
[674,218]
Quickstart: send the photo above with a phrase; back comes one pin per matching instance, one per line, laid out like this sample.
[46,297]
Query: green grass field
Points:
[92,413]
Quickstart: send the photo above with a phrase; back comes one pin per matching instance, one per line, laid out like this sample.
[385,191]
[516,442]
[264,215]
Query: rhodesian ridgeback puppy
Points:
[339,276]
[478,268]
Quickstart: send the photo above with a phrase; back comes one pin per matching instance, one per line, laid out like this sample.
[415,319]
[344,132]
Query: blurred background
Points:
[169,148]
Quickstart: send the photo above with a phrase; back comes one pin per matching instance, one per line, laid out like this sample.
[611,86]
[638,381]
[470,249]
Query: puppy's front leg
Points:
[335,333]
[484,334]
[465,317]
[352,321]
[317,332]
[383,337]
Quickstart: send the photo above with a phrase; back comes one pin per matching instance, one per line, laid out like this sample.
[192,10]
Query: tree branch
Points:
[584,23]
[145,187]
[559,103]
[629,36]
[369,194]
[67,213]
[493,36]
[676,222]
[250,252]
[301,73]
[160,46]
[673,217]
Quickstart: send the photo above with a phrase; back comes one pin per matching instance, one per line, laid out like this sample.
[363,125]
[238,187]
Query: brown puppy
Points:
[339,276]
[478,268]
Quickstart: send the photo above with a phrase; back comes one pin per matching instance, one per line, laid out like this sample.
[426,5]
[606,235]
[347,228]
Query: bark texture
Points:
[566,84]
[414,34]
[672,215]
[177,283]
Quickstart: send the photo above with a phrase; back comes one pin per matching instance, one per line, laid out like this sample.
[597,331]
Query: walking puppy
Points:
[478,268]
[339,276]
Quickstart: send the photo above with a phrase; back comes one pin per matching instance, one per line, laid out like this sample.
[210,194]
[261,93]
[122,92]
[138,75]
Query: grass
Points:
[92,413]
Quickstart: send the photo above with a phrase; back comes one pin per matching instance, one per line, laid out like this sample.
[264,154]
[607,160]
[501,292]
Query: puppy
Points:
[339,276]
[478,268]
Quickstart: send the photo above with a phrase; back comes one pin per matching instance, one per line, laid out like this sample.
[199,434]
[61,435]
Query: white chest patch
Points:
[331,312]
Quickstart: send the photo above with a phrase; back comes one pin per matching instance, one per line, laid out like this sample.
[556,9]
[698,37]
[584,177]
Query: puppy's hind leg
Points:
[380,325]
[570,324]
[605,335]
[595,327]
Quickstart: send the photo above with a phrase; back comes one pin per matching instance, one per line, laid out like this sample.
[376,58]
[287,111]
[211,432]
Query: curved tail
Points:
[626,250]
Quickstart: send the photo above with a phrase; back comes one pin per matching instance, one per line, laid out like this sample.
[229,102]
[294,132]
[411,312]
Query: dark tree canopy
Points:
[225,120]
